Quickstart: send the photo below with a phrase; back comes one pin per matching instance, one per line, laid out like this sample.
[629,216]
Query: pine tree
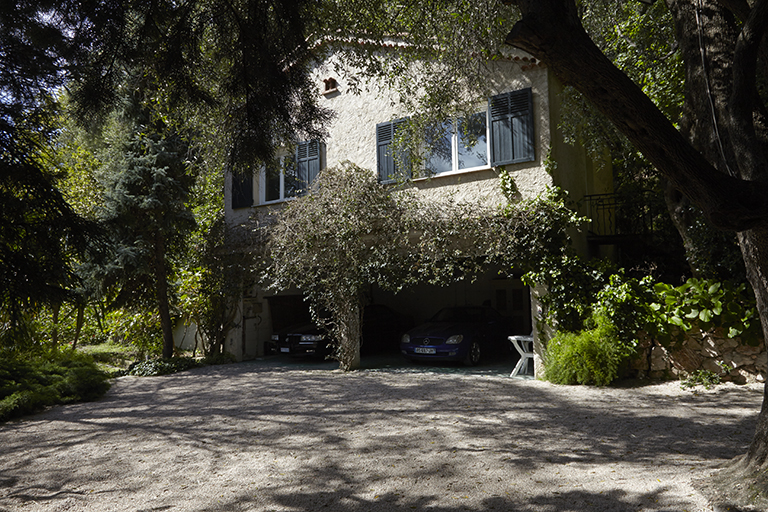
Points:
[147,186]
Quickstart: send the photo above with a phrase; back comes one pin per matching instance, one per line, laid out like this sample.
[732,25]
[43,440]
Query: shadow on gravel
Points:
[291,435]
[339,501]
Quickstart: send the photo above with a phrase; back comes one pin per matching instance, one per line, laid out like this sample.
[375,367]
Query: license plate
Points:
[424,350]
[285,349]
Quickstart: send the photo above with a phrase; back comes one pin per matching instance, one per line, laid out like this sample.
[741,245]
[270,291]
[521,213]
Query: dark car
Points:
[302,340]
[382,328]
[462,333]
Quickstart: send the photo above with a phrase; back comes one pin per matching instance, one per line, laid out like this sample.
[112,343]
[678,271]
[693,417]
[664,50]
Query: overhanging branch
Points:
[550,30]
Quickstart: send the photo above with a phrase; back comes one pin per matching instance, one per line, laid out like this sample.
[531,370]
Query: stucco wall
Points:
[352,137]
[352,132]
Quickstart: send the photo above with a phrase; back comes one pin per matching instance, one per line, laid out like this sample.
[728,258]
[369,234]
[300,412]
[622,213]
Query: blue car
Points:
[464,333]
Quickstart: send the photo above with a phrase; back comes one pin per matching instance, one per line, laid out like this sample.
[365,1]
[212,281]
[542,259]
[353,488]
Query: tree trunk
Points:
[348,327]
[161,287]
[55,309]
[79,319]
[720,164]
[754,248]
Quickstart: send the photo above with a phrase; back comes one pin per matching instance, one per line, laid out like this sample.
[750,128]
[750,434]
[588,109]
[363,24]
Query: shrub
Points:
[162,366]
[37,381]
[626,303]
[592,356]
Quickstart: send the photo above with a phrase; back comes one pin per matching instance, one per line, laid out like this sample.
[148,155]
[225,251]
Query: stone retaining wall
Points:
[703,351]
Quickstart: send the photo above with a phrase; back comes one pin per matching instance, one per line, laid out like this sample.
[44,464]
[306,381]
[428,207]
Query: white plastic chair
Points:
[524,345]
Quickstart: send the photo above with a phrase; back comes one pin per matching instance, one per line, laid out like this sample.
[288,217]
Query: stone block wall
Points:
[702,350]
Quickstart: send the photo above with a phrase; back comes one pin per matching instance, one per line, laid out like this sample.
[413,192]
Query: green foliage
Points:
[626,303]
[351,231]
[705,378]
[347,232]
[594,356]
[508,186]
[140,330]
[164,366]
[706,304]
[110,354]
[572,286]
[223,358]
[31,382]
[577,290]
[222,265]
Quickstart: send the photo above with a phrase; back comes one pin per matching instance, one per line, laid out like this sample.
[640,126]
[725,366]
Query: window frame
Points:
[509,138]
[308,159]
[455,138]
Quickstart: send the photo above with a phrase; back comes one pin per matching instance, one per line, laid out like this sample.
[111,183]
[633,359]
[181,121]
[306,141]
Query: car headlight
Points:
[405,339]
[311,337]
[454,340]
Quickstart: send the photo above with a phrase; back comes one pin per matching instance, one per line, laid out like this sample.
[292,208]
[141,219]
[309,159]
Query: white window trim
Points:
[455,153]
[280,158]
[263,184]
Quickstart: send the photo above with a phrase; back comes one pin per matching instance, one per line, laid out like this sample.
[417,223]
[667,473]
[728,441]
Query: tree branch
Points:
[744,94]
[551,31]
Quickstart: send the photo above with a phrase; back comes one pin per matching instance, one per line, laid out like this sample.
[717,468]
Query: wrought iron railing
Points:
[619,215]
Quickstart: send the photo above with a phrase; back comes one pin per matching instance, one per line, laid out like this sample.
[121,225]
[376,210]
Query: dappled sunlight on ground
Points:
[287,435]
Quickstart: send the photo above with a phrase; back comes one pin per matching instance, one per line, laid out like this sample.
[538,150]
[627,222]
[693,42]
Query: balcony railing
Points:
[618,216]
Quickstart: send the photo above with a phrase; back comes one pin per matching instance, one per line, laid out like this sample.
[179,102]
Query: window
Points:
[330,86]
[502,135]
[458,144]
[242,190]
[390,167]
[290,175]
[511,127]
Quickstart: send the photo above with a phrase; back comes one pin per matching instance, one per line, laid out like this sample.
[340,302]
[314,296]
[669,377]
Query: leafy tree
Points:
[147,183]
[221,267]
[717,157]
[39,231]
[238,65]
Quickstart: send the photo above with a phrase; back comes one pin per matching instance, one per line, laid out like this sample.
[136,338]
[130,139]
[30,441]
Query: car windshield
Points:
[460,315]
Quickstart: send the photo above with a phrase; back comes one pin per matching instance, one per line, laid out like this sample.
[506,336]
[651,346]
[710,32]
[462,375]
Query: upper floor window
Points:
[390,166]
[458,145]
[242,190]
[291,175]
[502,135]
[511,127]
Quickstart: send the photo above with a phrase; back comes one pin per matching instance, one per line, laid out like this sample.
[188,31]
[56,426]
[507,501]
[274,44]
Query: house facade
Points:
[515,129]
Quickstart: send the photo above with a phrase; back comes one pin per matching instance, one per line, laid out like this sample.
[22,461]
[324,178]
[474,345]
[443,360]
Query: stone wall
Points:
[702,351]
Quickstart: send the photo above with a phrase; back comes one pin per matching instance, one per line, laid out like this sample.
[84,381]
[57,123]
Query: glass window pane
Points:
[439,148]
[473,142]
[272,171]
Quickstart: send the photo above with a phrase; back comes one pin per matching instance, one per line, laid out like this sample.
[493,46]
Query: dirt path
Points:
[263,436]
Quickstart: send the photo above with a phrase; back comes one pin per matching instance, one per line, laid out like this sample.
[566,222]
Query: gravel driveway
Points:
[274,435]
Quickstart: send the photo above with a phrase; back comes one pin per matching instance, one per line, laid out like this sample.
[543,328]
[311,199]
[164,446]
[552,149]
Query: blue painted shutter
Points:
[308,161]
[242,190]
[511,117]
[388,165]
